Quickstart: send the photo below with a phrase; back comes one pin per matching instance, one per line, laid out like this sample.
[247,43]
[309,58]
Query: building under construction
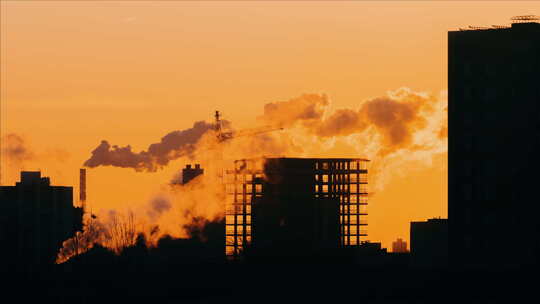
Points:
[287,203]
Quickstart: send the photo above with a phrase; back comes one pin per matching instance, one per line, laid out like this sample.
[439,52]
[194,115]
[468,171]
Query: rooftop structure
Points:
[189,173]
[517,21]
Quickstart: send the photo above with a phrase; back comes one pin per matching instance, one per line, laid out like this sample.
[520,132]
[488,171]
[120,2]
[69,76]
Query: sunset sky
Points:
[75,73]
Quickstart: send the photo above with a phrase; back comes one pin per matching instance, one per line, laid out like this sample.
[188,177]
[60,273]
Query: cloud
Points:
[16,149]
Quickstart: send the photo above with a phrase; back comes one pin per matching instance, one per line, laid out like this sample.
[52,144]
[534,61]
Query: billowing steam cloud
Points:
[172,146]
[186,211]
[395,118]
[158,206]
[308,109]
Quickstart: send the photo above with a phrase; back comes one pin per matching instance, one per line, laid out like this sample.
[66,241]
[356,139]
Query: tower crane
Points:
[224,136]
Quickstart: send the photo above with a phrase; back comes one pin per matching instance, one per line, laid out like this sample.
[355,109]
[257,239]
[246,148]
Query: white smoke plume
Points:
[172,146]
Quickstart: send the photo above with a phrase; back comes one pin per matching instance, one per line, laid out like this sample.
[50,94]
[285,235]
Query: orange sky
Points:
[74,73]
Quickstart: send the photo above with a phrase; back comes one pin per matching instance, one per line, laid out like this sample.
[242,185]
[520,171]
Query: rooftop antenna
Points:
[525,19]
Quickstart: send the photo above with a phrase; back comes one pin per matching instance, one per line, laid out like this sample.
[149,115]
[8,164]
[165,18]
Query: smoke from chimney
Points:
[172,146]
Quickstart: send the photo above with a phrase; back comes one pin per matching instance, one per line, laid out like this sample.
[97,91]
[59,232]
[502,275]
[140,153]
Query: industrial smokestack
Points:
[82,188]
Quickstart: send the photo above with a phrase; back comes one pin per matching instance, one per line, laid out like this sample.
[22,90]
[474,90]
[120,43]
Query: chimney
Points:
[82,188]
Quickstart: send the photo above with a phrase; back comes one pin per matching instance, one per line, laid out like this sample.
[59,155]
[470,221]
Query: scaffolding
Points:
[317,179]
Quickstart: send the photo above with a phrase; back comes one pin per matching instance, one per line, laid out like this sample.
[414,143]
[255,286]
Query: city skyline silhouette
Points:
[143,140]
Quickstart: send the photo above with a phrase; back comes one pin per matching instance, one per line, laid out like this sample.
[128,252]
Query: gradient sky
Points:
[74,73]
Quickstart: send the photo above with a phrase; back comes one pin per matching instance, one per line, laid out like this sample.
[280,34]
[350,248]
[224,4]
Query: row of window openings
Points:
[249,165]
[240,188]
[352,230]
[239,229]
[231,250]
[241,199]
[352,207]
[353,220]
[354,198]
[246,199]
[229,219]
[239,178]
[345,202]
[350,240]
[324,178]
[352,188]
[230,231]
[344,219]
[236,240]
[353,165]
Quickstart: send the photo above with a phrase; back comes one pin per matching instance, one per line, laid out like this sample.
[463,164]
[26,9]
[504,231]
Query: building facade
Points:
[429,244]
[35,219]
[494,127]
[303,202]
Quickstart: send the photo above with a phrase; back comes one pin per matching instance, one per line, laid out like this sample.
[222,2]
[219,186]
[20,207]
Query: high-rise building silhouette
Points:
[494,143]
[35,219]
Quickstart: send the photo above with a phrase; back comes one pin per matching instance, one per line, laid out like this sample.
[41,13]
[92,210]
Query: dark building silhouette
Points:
[399,246]
[429,243]
[189,173]
[494,122]
[291,206]
[35,219]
